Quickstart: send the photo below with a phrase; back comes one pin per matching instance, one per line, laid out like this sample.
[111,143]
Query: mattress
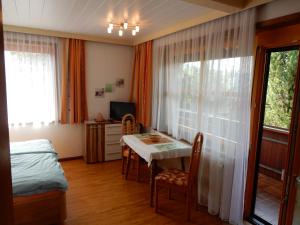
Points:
[35,168]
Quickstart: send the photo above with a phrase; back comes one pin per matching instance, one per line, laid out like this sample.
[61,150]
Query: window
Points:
[211,96]
[31,79]
[219,95]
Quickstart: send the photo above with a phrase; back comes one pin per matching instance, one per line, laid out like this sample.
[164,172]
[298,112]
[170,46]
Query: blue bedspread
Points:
[35,168]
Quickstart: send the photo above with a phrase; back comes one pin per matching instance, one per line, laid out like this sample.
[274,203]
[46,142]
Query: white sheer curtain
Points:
[202,82]
[31,78]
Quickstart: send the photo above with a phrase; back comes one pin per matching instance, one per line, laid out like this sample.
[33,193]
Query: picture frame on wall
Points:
[108,88]
[99,92]
[120,82]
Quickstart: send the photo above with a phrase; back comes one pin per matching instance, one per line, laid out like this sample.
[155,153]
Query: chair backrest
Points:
[128,124]
[195,158]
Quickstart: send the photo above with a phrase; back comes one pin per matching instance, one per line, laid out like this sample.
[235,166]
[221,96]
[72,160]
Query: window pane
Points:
[31,89]
[189,99]
[280,91]
[222,94]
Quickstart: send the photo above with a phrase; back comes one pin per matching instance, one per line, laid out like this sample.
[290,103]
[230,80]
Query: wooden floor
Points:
[98,195]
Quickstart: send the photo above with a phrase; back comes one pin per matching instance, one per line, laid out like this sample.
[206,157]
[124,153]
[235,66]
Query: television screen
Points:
[119,109]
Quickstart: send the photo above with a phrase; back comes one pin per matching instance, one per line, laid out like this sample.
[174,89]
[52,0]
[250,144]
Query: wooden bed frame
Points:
[40,209]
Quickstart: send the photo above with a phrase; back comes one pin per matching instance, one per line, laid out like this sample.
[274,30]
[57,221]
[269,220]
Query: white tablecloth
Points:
[173,149]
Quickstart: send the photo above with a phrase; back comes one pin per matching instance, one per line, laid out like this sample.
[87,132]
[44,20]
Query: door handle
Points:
[298,180]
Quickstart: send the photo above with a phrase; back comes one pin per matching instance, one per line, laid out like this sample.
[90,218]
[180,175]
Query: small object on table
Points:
[155,137]
[99,118]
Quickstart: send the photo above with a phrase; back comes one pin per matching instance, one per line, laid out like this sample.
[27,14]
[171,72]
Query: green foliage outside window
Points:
[280,92]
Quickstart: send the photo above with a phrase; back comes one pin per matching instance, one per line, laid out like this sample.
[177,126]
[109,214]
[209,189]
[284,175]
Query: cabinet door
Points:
[91,145]
[100,144]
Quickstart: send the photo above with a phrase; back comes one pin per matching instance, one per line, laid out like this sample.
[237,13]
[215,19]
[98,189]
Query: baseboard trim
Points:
[70,158]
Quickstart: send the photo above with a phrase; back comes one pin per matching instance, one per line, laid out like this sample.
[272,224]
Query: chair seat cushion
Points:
[173,176]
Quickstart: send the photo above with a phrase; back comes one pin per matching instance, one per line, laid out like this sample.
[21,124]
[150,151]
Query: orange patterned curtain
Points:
[141,92]
[73,93]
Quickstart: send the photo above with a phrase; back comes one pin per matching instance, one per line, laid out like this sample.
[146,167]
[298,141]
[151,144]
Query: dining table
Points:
[152,150]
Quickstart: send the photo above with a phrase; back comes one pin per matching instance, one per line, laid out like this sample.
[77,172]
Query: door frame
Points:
[278,37]
[6,206]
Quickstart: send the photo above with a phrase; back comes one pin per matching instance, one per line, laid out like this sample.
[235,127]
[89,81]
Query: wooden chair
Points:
[129,126]
[182,181]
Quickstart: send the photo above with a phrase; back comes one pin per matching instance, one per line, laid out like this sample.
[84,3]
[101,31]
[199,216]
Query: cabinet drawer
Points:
[112,156]
[113,129]
[112,138]
[113,148]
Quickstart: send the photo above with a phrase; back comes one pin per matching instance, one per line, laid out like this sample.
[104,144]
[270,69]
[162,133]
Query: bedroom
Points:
[89,64]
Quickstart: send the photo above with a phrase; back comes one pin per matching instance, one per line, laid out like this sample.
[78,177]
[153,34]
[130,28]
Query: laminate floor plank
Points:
[98,195]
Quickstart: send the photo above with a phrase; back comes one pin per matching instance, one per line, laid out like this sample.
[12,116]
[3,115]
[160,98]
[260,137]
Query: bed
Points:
[39,184]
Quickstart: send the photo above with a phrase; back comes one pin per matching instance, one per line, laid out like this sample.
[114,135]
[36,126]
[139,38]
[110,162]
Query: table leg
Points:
[182,163]
[128,163]
[153,171]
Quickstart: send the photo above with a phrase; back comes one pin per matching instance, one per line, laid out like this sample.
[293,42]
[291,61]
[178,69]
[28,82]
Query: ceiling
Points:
[88,19]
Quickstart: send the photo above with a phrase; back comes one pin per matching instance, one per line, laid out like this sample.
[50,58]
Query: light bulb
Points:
[125,25]
[133,32]
[120,33]
[109,30]
[137,28]
[111,25]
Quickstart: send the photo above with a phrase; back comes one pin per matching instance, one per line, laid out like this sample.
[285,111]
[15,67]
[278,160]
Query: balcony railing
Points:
[273,151]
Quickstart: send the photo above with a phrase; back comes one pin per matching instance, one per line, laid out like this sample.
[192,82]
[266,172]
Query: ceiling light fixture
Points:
[120,32]
[125,25]
[122,27]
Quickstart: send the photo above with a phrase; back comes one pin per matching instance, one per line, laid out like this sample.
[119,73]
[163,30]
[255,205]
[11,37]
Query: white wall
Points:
[104,64]
[277,8]
[67,139]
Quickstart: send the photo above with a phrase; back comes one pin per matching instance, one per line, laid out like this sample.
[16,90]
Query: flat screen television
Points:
[119,109]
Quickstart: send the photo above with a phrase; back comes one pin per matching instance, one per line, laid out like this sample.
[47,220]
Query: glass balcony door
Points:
[280,76]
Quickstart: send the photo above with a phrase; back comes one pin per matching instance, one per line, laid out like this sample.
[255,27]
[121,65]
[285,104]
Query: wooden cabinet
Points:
[102,141]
